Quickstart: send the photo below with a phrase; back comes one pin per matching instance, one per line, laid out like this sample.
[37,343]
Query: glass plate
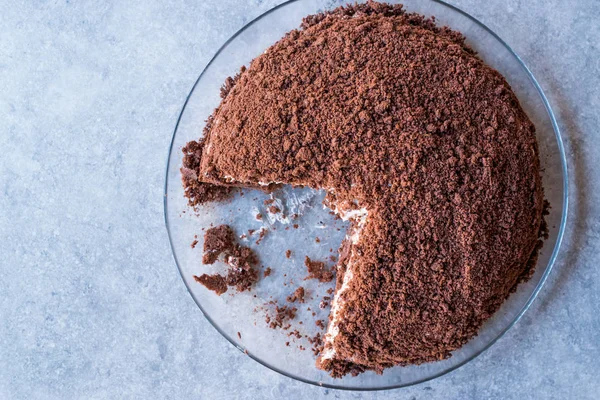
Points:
[243,313]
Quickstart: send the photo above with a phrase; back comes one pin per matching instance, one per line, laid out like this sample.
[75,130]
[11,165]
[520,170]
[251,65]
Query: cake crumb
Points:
[318,270]
[283,314]
[317,343]
[274,210]
[217,240]
[261,235]
[217,283]
[220,240]
[296,333]
[198,192]
[298,296]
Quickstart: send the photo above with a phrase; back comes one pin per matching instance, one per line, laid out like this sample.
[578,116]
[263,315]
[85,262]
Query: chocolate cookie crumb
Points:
[194,243]
[267,272]
[288,253]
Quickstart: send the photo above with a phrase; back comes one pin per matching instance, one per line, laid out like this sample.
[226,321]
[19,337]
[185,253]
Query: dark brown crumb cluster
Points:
[393,115]
[241,260]
[297,296]
[261,235]
[281,317]
[317,343]
[216,282]
[324,302]
[274,209]
[196,191]
[318,270]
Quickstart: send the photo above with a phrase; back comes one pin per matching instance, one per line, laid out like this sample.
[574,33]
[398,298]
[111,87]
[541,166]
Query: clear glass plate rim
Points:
[533,294]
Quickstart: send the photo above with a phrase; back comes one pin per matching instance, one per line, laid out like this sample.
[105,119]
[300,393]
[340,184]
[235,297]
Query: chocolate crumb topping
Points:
[420,144]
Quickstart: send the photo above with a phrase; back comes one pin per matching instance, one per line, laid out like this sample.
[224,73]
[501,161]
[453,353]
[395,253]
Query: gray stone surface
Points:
[91,303]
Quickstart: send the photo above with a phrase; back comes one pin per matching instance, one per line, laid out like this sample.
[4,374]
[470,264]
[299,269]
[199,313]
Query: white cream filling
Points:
[360,215]
[229,179]
[333,330]
[261,183]
[278,216]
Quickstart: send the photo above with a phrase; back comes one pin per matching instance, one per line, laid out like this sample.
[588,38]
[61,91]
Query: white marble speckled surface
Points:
[91,303]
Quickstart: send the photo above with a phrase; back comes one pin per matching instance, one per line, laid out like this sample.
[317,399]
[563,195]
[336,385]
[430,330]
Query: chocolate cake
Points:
[419,144]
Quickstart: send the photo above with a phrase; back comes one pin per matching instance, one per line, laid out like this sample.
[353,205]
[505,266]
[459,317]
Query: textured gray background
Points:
[91,303]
